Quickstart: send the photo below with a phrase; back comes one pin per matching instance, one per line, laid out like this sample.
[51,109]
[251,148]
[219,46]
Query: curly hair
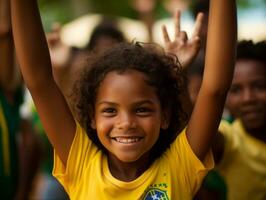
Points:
[162,72]
[247,49]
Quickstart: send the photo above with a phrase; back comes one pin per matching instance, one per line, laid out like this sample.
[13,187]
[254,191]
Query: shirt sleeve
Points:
[81,152]
[194,170]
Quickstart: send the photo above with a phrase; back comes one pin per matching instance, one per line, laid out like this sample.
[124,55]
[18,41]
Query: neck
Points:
[127,171]
[258,133]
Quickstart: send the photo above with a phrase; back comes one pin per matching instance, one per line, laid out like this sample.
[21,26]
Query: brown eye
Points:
[143,111]
[109,111]
[260,86]
[235,90]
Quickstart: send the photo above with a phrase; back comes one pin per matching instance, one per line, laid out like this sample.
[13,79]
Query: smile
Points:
[126,140]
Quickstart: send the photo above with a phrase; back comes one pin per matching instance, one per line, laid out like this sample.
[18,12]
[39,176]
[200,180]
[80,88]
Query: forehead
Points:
[128,85]
[249,70]
[129,77]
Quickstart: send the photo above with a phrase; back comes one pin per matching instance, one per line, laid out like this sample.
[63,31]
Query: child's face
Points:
[247,96]
[128,115]
[103,43]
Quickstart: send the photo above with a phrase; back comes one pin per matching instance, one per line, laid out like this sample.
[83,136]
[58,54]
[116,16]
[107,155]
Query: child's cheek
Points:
[104,125]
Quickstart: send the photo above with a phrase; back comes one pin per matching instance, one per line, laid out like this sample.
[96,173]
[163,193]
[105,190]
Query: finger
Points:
[177,23]
[52,39]
[56,27]
[198,25]
[165,34]
[183,36]
[196,43]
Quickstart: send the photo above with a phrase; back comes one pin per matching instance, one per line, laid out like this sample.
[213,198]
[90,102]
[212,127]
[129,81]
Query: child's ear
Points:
[165,119]
[93,124]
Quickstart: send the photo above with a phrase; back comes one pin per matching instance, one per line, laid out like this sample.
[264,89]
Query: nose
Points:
[248,95]
[125,121]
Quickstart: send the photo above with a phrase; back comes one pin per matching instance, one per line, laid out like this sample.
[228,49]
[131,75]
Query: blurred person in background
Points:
[104,36]
[69,62]
[146,13]
[150,13]
[19,145]
[242,144]
[46,187]
[240,147]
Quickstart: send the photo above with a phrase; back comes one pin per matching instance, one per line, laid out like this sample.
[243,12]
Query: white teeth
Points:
[127,140]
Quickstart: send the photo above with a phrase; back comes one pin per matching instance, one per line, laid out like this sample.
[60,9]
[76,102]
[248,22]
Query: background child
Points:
[243,159]
[128,107]
[19,146]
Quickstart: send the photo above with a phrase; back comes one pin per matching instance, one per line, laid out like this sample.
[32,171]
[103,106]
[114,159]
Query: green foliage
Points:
[250,3]
[61,10]
[52,11]
[116,7]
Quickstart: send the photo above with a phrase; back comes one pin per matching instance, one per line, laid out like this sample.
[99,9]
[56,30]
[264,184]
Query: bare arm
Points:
[34,60]
[217,77]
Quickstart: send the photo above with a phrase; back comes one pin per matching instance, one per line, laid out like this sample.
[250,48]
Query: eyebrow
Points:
[135,104]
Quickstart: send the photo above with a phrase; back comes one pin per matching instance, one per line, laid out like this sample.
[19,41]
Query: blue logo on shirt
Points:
[155,194]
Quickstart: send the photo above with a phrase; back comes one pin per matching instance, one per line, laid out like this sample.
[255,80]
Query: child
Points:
[19,145]
[242,143]
[105,35]
[130,109]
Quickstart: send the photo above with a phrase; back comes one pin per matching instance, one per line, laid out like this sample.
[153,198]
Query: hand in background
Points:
[60,53]
[184,48]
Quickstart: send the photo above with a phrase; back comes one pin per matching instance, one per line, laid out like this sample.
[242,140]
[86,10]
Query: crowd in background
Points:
[26,156]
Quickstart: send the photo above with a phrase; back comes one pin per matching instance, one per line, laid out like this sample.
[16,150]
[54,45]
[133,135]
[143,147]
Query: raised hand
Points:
[184,48]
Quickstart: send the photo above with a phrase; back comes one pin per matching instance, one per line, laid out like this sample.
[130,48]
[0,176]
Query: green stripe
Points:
[5,141]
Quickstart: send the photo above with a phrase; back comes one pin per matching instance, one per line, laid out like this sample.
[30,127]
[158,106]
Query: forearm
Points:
[220,53]
[30,43]
[219,66]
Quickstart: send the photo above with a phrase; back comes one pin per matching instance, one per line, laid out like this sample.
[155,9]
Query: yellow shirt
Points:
[177,174]
[244,163]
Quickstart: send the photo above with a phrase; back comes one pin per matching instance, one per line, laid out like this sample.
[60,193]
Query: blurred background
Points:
[74,29]
[79,17]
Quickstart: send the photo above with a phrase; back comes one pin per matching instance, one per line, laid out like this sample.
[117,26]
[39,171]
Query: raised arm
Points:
[34,60]
[219,65]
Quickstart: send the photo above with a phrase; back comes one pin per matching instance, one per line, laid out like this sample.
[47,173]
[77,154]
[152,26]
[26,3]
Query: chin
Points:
[254,124]
[128,158]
